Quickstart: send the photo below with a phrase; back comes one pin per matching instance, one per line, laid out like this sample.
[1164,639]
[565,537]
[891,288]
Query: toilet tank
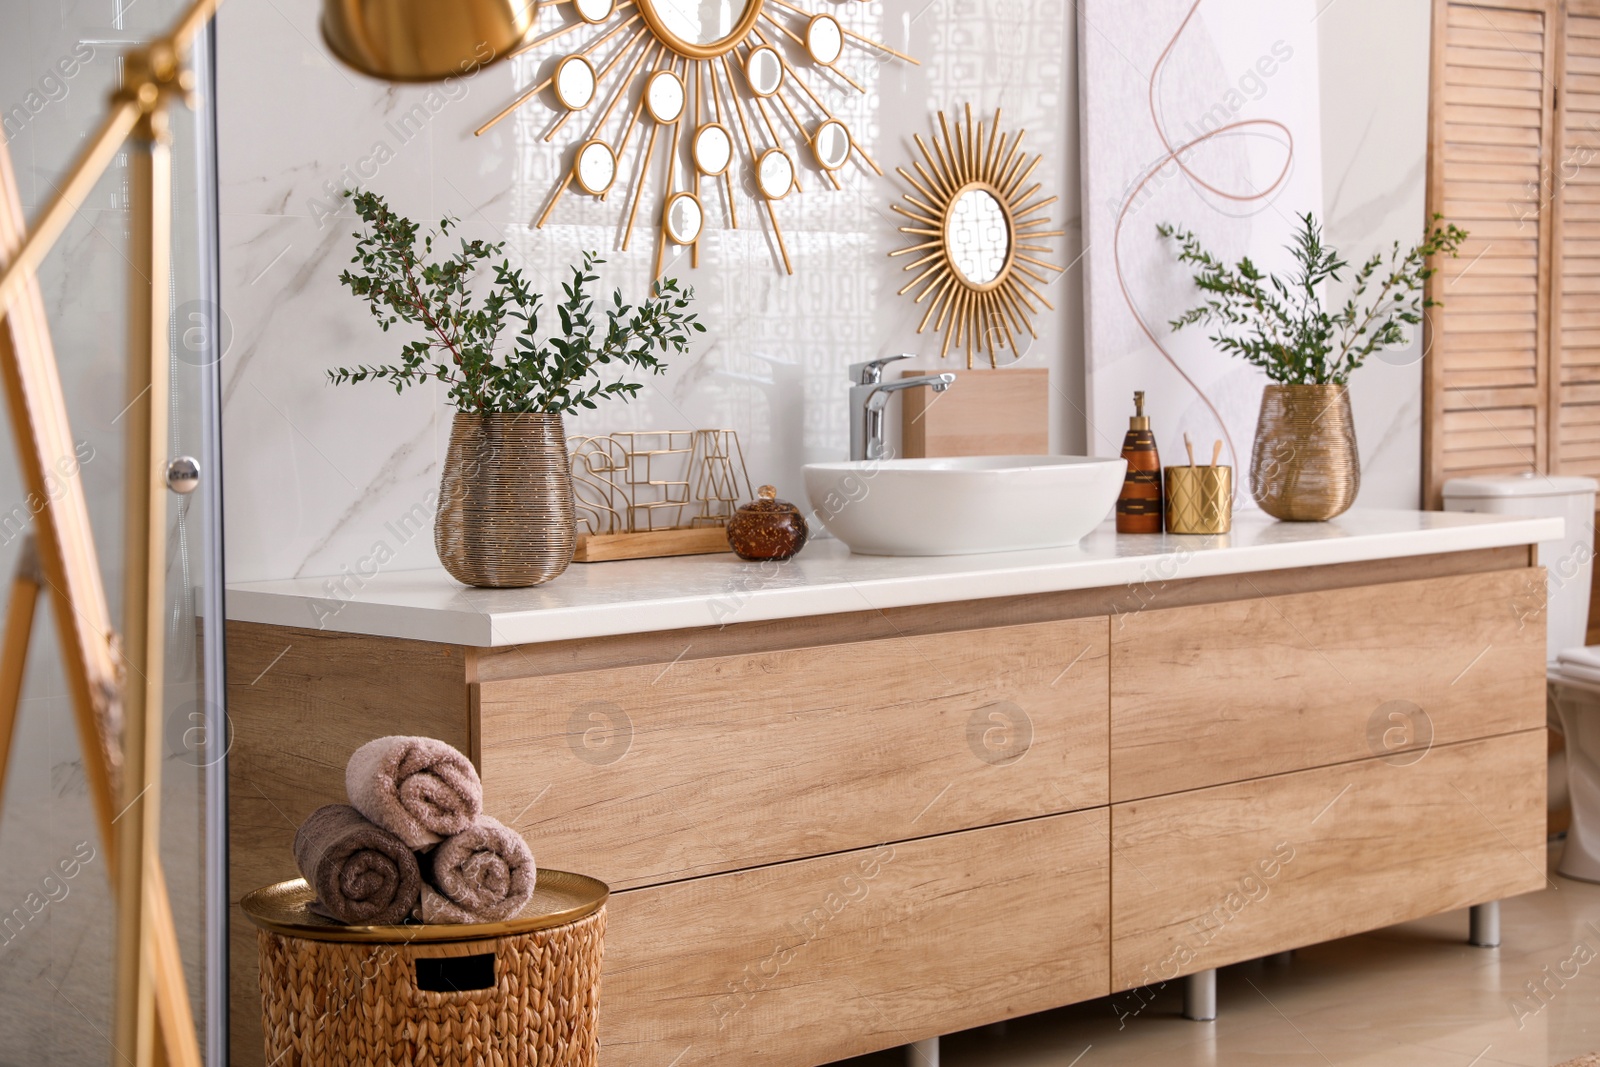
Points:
[1569,559]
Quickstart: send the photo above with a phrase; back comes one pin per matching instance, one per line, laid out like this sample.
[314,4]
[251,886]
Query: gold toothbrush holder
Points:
[1199,500]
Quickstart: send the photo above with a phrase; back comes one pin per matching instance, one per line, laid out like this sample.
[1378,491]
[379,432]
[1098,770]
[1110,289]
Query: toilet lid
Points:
[1574,674]
[1527,484]
[1578,665]
[1582,656]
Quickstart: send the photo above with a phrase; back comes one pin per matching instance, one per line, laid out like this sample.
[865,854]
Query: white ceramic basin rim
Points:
[964,505]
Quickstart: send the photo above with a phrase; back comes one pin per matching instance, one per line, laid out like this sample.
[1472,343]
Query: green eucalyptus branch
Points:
[589,358]
[1279,323]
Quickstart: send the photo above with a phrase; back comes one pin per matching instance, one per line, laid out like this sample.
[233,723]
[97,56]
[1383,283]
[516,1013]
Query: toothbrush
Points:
[1190,446]
[1216,451]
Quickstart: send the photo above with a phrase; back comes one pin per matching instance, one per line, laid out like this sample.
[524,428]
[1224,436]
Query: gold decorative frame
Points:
[645,493]
[651,481]
[982,316]
[633,46]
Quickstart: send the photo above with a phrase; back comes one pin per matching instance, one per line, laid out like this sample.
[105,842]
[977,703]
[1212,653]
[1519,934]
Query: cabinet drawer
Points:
[813,961]
[1220,875]
[646,774]
[1219,693]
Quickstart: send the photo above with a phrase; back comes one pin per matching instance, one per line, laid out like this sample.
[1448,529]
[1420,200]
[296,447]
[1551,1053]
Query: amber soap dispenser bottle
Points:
[1139,507]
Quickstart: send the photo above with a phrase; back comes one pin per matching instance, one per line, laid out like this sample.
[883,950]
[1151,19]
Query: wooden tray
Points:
[601,548]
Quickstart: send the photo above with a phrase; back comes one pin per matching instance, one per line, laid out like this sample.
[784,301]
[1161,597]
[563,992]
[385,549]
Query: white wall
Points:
[1374,56]
[1358,160]
[314,472]
[1240,192]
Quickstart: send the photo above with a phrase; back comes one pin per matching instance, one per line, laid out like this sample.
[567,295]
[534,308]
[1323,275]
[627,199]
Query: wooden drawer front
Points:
[1234,872]
[1221,693]
[808,962]
[645,774]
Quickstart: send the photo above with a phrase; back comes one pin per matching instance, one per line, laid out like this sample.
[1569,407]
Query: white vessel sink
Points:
[953,507]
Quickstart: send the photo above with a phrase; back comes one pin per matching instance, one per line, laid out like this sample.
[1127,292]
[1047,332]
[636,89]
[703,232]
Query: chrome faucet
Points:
[869,395]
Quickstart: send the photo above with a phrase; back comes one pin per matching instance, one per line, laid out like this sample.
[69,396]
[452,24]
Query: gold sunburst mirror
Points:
[735,88]
[975,224]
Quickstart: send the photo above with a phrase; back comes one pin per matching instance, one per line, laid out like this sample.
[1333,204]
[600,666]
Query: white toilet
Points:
[1573,670]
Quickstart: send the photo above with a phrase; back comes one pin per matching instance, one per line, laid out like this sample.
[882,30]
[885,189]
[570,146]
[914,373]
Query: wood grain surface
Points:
[1216,876]
[1223,692]
[805,963]
[300,702]
[985,413]
[652,773]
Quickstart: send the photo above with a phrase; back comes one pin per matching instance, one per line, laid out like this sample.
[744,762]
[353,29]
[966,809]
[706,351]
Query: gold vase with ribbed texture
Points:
[1305,466]
[506,518]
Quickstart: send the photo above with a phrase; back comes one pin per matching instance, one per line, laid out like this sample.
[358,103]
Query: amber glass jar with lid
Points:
[767,528]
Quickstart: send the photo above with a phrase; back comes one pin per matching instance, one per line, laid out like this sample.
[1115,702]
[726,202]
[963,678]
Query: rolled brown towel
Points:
[419,789]
[361,873]
[483,874]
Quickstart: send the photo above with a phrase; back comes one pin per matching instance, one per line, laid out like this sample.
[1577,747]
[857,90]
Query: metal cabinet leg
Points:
[1485,925]
[923,1053]
[1200,996]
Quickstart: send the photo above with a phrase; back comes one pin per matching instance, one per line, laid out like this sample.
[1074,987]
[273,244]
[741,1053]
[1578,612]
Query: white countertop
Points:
[643,596]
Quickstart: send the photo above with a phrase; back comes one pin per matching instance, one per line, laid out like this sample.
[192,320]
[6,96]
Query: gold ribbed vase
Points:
[1305,466]
[506,517]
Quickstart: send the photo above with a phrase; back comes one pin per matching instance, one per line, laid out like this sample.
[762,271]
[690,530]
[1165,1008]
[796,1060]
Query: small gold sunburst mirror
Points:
[975,222]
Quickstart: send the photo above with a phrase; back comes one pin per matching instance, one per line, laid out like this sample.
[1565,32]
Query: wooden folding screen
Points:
[1512,370]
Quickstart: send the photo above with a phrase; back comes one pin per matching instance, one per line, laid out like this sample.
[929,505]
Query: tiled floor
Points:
[1414,995]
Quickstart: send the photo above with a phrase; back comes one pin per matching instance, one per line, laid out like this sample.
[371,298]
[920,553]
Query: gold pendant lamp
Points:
[424,40]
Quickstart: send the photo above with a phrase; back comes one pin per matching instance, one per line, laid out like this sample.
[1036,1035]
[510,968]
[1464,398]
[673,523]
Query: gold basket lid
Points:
[559,897]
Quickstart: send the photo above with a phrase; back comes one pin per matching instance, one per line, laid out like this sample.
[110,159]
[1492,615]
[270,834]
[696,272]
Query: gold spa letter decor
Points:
[975,221]
[720,76]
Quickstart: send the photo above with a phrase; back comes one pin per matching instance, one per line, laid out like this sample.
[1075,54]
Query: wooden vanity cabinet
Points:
[1215,876]
[821,959]
[837,834]
[1223,692]
[649,773]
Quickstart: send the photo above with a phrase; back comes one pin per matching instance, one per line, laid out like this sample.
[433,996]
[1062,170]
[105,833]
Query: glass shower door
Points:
[58,64]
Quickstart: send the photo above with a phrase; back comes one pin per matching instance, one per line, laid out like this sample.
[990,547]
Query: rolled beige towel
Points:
[418,788]
[361,873]
[483,874]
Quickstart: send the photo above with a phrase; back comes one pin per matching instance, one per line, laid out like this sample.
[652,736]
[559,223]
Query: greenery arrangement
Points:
[562,373]
[1280,325]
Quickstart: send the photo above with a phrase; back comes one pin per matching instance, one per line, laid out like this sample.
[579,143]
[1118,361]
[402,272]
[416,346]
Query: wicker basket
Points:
[521,993]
